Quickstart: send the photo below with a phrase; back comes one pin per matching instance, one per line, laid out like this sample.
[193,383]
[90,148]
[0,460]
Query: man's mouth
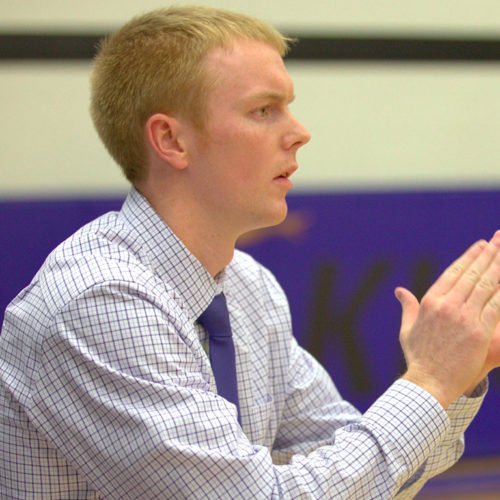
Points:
[287,173]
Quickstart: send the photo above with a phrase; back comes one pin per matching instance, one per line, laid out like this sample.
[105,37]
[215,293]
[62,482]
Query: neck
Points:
[201,235]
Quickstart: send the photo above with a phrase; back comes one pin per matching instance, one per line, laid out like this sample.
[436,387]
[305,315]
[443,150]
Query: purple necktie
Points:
[215,319]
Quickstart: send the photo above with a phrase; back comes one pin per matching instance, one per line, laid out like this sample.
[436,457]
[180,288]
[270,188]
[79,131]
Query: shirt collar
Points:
[170,259]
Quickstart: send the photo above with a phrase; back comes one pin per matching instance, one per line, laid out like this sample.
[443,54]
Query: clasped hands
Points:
[451,339]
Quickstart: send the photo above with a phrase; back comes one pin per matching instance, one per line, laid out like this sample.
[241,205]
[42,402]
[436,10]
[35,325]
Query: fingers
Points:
[463,275]
[478,285]
[490,315]
[480,279]
[453,328]
[454,272]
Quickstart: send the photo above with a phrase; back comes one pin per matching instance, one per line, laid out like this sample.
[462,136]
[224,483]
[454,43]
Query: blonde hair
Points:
[153,64]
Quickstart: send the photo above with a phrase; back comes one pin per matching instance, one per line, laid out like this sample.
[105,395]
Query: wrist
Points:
[431,386]
[469,392]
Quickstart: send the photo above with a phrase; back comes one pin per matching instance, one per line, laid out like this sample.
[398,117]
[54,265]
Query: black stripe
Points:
[78,47]
[395,49]
[19,46]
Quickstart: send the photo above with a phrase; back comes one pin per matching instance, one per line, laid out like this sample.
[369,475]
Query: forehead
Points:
[248,68]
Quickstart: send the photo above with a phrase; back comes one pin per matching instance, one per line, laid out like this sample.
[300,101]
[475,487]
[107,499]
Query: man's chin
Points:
[265,230]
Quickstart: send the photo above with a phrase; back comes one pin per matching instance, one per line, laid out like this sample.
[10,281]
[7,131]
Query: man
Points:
[107,390]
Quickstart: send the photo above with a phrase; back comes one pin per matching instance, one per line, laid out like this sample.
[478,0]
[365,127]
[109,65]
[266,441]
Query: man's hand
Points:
[492,360]
[451,340]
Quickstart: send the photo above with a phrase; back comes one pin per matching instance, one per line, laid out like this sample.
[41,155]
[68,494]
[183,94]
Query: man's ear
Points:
[162,134]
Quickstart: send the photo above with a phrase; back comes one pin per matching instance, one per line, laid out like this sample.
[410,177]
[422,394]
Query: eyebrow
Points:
[275,96]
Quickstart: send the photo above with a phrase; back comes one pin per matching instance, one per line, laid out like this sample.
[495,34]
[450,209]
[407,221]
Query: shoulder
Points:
[251,281]
[245,269]
[105,250]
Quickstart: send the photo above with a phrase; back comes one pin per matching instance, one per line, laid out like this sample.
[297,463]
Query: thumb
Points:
[409,306]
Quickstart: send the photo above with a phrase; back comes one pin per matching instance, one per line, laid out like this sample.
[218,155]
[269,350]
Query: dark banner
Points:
[338,257]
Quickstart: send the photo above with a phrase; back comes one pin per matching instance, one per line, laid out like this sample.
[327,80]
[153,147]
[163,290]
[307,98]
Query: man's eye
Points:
[263,111]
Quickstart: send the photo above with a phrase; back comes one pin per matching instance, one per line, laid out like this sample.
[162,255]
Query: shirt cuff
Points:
[412,418]
[463,410]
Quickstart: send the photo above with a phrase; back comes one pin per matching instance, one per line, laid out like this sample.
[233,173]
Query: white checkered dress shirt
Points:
[106,390]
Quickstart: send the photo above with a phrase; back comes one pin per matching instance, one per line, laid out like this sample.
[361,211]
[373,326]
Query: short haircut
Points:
[153,64]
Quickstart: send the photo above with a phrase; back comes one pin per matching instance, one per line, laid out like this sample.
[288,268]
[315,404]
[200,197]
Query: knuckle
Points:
[490,315]
[487,284]
[428,304]
[473,275]
[438,307]
[494,304]
[455,269]
[446,309]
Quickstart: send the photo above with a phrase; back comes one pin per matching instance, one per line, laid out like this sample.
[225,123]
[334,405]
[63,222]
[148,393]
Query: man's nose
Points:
[298,135]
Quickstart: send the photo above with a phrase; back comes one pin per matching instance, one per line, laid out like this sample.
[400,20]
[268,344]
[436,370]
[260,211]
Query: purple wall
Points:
[338,257]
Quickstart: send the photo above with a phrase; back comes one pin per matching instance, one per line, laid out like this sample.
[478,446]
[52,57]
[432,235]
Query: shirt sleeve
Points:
[423,437]
[121,392]
[461,413]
